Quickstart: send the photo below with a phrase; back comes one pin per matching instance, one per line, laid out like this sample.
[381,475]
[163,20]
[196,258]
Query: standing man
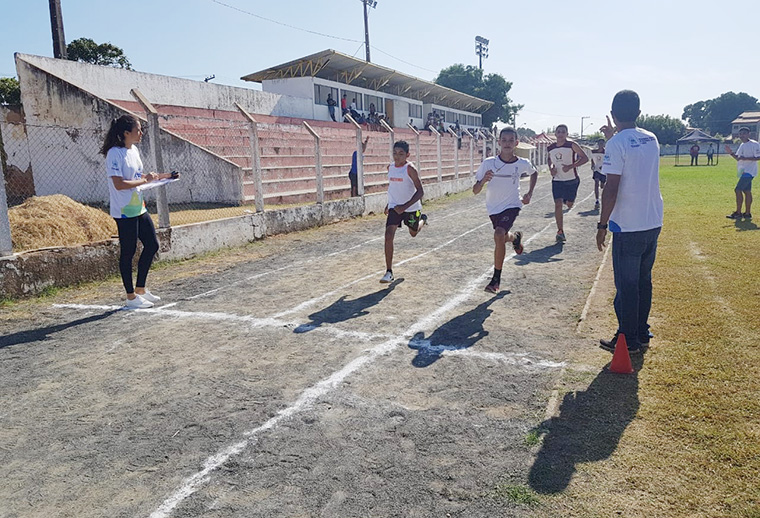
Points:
[710,153]
[632,207]
[746,169]
[565,157]
[331,106]
[694,152]
[343,105]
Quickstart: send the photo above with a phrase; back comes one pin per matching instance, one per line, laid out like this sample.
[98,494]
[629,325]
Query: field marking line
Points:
[591,293]
[313,393]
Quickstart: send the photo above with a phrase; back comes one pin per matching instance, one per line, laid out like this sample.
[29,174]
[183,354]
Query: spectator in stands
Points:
[343,104]
[125,169]
[458,131]
[331,106]
[353,173]
[710,153]
[358,117]
[411,123]
[372,118]
[694,152]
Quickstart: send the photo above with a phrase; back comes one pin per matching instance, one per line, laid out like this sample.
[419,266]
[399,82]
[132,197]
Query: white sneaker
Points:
[387,278]
[150,297]
[138,303]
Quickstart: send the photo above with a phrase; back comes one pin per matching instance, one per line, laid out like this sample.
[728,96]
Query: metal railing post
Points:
[472,153]
[318,163]
[359,156]
[484,143]
[438,151]
[6,244]
[393,137]
[418,157]
[258,181]
[456,152]
[162,202]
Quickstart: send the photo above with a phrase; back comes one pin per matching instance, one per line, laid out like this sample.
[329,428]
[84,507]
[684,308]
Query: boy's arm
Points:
[528,195]
[417,195]
[582,157]
[552,167]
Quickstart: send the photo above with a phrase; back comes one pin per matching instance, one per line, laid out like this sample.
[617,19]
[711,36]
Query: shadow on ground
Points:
[342,309]
[540,255]
[42,333]
[743,225]
[587,429]
[586,213]
[458,333]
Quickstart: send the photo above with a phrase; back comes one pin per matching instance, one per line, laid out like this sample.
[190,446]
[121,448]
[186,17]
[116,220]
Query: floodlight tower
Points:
[56,23]
[481,49]
[373,5]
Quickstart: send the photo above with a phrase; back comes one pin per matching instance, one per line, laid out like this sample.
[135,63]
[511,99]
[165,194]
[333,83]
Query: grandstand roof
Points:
[335,66]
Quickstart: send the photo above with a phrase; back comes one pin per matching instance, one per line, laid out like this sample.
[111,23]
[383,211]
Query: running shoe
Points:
[747,215]
[138,303]
[150,297]
[597,205]
[387,278]
[517,243]
[735,215]
[561,237]
[422,222]
[493,287]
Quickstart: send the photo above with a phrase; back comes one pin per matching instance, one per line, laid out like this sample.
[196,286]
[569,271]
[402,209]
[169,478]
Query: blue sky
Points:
[566,60]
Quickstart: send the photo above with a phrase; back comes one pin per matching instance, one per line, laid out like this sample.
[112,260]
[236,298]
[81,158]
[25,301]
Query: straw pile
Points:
[43,221]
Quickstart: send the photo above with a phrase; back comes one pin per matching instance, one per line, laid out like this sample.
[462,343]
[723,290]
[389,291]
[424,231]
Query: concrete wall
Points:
[116,83]
[16,161]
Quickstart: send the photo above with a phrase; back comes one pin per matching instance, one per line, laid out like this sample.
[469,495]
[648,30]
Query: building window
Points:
[353,97]
[415,110]
[321,92]
[377,101]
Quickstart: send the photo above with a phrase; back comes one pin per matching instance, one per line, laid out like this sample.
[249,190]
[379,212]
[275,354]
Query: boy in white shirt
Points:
[746,158]
[597,159]
[503,200]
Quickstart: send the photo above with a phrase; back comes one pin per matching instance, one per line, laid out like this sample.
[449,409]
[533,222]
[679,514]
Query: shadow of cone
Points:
[621,360]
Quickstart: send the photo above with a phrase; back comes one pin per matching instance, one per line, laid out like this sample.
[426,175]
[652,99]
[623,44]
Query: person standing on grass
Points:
[632,208]
[746,168]
[354,171]
[503,201]
[710,153]
[125,170]
[404,202]
[597,159]
[694,152]
[565,157]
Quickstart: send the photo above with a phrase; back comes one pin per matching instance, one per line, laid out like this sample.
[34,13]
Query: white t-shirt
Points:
[634,155]
[747,149]
[126,163]
[401,188]
[503,190]
[562,156]
[598,159]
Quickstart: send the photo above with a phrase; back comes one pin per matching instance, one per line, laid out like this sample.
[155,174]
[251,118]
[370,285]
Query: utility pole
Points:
[56,23]
[373,5]
[481,49]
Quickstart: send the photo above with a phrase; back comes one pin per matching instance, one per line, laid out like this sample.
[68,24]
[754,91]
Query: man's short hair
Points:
[626,106]
[561,126]
[508,129]
[402,144]
[600,141]
[744,128]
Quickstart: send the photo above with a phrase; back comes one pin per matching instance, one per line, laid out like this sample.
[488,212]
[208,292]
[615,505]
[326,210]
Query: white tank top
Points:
[401,188]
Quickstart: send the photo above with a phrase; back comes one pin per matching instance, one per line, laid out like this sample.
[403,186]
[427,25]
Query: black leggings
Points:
[130,229]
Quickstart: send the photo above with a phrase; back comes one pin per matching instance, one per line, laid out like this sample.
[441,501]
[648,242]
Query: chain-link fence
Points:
[57,189]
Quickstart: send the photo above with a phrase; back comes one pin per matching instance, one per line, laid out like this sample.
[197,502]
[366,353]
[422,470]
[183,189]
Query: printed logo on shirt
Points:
[115,165]
[396,179]
[633,141]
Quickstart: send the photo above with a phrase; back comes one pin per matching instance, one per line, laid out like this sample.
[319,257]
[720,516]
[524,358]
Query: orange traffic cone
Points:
[621,360]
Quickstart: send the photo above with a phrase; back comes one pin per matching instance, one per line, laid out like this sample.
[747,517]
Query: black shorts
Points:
[599,176]
[565,190]
[505,219]
[410,219]
[354,180]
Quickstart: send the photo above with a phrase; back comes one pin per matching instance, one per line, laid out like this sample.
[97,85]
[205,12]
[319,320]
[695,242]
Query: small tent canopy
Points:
[695,136]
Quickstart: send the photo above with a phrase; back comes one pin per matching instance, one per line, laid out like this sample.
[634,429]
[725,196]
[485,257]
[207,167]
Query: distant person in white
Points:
[632,208]
[746,169]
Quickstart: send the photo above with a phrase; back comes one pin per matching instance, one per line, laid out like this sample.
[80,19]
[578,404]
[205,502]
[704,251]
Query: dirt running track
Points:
[294,384]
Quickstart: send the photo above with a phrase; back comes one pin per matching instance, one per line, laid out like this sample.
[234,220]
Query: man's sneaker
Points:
[517,243]
[747,215]
[597,205]
[150,297]
[493,287]
[138,303]
[734,215]
[387,278]
[561,237]
[609,345]
[422,222]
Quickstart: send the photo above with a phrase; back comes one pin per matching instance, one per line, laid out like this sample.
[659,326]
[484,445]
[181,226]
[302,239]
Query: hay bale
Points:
[57,220]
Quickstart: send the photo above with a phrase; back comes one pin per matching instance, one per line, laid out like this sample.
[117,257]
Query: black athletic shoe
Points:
[735,215]
[747,215]
[609,345]
[517,243]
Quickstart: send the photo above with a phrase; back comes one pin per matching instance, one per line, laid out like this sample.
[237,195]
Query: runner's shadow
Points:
[592,212]
[40,334]
[458,333]
[342,309]
[588,428]
[744,225]
[540,255]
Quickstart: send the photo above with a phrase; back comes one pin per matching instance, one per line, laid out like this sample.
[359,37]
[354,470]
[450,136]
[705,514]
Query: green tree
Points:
[87,51]
[667,129]
[715,115]
[491,87]
[525,133]
[10,91]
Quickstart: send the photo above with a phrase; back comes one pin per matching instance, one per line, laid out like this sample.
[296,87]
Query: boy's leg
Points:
[500,238]
[390,233]
[558,214]
[596,189]
[739,200]
[748,201]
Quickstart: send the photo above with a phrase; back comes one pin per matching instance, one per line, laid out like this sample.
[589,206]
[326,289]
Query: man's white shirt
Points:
[749,149]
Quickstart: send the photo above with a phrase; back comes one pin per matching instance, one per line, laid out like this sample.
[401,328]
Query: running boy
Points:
[503,200]
[565,157]
[404,205]
[597,159]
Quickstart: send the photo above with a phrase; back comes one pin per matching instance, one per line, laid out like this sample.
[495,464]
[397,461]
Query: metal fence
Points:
[230,164]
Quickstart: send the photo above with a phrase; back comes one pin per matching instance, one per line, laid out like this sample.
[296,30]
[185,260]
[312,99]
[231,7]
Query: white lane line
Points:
[192,483]
[522,359]
[586,307]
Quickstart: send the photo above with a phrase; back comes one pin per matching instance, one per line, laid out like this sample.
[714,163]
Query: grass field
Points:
[693,447]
